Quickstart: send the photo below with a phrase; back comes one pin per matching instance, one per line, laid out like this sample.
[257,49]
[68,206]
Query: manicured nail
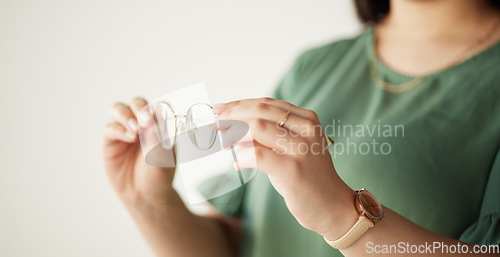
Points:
[145,117]
[132,123]
[219,105]
[129,135]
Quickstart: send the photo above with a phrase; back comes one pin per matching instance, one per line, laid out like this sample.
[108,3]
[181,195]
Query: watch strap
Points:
[359,228]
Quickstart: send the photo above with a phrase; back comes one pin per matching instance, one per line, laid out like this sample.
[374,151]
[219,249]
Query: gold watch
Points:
[370,212]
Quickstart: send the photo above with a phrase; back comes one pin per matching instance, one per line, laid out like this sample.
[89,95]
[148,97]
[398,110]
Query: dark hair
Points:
[375,10]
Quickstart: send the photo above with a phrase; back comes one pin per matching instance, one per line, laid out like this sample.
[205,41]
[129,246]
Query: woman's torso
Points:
[425,153]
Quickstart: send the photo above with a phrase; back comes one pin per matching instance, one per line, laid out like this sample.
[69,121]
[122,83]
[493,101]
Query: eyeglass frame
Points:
[176,115]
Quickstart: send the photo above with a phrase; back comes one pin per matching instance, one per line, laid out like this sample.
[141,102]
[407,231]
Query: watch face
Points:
[370,205]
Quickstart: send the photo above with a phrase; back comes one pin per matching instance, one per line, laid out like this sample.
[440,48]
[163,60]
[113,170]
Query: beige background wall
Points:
[64,62]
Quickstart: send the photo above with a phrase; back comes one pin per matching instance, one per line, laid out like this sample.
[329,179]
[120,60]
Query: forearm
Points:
[404,237]
[172,230]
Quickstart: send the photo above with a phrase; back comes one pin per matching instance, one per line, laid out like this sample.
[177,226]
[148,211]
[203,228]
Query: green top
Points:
[431,153]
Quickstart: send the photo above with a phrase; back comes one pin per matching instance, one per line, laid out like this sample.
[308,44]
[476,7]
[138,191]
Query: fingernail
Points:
[132,124]
[129,135]
[219,105]
[145,117]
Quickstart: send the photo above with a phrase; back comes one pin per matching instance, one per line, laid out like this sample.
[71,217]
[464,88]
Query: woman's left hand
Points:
[297,160]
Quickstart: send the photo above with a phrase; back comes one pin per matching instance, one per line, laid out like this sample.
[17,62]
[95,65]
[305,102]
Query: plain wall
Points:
[62,65]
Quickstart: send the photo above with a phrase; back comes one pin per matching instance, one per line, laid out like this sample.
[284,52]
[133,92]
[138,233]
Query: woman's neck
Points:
[430,18]
[420,37]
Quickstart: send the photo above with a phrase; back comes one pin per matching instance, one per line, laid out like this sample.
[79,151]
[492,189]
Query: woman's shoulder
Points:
[340,44]
[336,50]
[318,63]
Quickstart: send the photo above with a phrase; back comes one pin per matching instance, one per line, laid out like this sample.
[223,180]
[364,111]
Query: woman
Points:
[428,67]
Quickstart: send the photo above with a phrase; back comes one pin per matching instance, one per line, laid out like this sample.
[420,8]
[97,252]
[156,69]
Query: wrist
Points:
[344,215]
[147,207]
[369,211]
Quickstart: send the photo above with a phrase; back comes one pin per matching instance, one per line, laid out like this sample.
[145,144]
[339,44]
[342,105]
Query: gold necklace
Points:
[417,80]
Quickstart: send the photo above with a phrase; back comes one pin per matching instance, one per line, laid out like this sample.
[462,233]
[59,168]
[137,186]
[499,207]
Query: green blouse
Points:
[430,154]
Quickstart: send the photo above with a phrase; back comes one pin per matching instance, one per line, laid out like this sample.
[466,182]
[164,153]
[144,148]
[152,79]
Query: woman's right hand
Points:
[137,183]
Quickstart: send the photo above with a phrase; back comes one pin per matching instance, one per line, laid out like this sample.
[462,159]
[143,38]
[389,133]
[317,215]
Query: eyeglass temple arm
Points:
[238,169]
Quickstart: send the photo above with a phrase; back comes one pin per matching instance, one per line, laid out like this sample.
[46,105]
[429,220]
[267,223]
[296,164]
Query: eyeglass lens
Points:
[201,124]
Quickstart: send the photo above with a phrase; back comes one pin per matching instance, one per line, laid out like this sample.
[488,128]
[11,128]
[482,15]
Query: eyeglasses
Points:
[199,123]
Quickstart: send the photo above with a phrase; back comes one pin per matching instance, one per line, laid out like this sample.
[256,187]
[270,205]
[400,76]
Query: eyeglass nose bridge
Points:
[181,126]
[180,123]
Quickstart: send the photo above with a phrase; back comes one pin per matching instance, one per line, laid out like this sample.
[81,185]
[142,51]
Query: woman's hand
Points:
[136,182]
[297,160]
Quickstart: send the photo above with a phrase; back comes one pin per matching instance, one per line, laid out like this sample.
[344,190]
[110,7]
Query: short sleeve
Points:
[231,203]
[486,230]
[289,83]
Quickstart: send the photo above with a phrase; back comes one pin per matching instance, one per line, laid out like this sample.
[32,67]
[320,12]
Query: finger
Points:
[116,132]
[137,104]
[264,159]
[266,133]
[122,114]
[305,113]
[249,144]
[141,110]
[295,123]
